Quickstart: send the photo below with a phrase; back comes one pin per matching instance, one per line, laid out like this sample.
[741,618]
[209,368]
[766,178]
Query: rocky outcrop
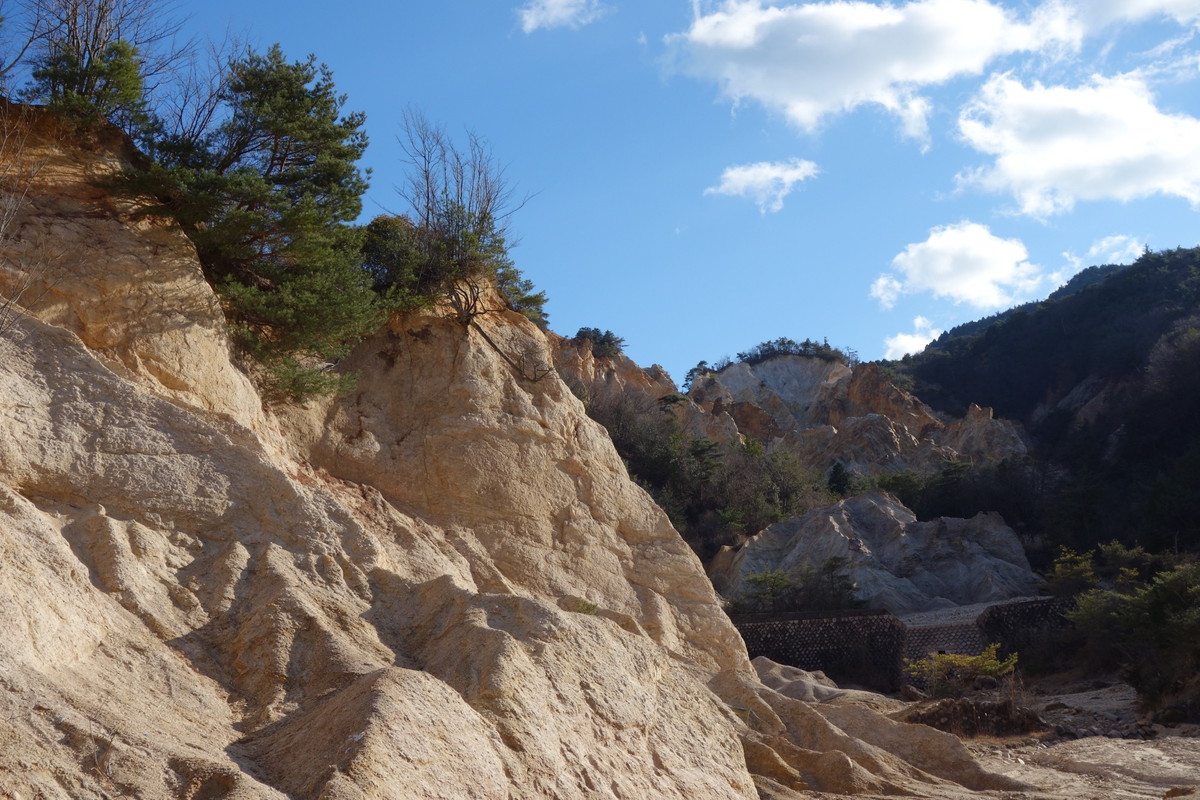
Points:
[441,585]
[605,381]
[898,563]
[591,376]
[825,413]
[124,282]
[979,436]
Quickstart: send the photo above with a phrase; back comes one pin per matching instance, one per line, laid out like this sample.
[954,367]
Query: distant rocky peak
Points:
[827,412]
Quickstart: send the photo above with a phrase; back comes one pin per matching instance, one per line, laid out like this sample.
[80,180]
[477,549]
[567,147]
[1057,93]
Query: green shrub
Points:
[1071,574]
[952,674]
[391,255]
[605,344]
[1152,634]
[809,588]
[584,606]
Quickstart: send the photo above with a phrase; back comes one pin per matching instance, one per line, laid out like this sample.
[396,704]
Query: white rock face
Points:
[898,563]
[124,283]
[443,585]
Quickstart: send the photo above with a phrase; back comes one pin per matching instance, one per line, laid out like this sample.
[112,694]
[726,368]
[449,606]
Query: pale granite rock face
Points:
[898,563]
[529,488]
[594,376]
[441,585]
[127,284]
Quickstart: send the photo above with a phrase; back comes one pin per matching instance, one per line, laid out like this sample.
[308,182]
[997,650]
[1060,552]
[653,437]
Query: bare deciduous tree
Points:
[86,28]
[460,199]
[189,105]
[24,270]
[21,26]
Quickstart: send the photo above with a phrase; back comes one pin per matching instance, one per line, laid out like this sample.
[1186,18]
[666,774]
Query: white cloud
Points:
[768,182]
[1097,13]
[902,344]
[1115,249]
[1054,145]
[887,289]
[965,263]
[814,59]
[559,14]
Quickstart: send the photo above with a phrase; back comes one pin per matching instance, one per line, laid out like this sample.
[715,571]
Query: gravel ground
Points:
[955,615]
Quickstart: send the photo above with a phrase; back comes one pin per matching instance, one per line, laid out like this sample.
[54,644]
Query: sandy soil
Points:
[1164,764]
[1098,767]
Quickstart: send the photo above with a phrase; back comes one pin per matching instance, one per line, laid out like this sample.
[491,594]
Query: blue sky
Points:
[703,176]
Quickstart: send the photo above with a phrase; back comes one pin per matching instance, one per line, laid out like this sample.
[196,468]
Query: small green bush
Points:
[952,674]
[810,588]
[605,344]
[583,606]
[1071,574]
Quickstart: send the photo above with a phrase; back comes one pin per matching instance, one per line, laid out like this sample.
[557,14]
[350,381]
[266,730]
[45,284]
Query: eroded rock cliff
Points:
[825,412]
[441,585]
[897,562]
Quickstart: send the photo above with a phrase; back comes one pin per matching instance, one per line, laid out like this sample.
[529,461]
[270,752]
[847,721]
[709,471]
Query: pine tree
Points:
[268,196]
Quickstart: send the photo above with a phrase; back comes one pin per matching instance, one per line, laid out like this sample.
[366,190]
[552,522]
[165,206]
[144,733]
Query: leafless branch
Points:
[447,185]
[189,103]
[25,269]
[86,28]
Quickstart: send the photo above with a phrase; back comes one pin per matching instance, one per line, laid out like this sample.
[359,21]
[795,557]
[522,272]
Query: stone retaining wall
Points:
[965,638]
[858,648]
[1029,629]
[868,648]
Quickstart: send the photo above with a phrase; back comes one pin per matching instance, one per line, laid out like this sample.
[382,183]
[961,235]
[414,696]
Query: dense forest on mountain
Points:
[1104,374]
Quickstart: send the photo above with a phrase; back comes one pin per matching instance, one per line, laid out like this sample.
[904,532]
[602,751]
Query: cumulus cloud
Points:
[902,344]
[964,262]
[887,290]
[814,59]
[1054,146]
[768,182]
[559,14]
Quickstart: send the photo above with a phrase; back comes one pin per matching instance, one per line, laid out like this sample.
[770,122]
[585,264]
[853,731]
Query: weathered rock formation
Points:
[443,585]
[898,563]
[595,377]
[825,412]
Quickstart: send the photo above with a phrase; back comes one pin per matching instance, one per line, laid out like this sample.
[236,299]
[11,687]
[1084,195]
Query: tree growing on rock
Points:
[605,344]
[267,193]
[461,204]
[95,59]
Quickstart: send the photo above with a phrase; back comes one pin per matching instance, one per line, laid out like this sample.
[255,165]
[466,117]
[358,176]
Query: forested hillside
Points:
[1104,376]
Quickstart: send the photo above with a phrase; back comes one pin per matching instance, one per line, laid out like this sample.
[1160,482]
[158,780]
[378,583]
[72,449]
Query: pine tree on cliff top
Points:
[267,195]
